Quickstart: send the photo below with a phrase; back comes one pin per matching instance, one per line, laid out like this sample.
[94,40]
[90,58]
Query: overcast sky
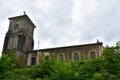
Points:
[65,22]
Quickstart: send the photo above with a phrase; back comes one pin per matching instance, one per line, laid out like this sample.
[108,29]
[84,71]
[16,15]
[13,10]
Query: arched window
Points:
[61,57]
[76,57]
[21,42]
[92,55]
[16,26]
[47,57]
[33,61]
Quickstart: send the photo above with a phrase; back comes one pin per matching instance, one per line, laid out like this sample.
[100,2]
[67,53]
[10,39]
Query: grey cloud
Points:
[55,24]
[59,17]
[104,22]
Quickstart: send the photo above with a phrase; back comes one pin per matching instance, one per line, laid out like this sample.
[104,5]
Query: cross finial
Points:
[24,12]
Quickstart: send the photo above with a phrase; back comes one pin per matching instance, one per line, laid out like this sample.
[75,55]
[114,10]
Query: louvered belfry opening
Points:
[21,42]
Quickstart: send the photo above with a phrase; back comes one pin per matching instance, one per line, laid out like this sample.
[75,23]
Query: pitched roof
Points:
[100,43]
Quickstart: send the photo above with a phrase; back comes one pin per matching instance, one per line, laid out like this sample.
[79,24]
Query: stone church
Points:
[19,38]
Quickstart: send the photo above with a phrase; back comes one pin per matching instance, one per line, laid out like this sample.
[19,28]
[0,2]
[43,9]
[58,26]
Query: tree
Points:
[8,62]
[105,67]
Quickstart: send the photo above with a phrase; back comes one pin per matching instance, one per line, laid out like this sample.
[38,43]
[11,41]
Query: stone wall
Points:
[82,52]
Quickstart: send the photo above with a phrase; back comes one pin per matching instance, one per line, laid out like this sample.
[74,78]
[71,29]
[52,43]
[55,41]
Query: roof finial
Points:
[97,41]
[24,12]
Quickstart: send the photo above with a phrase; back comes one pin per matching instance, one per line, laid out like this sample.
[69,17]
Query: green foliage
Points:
[8,62]
[64,71]
[106,67]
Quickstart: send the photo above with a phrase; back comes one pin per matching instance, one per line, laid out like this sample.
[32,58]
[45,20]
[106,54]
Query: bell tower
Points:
[19,36]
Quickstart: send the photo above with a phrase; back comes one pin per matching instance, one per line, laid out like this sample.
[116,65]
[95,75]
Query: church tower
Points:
[19,36]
